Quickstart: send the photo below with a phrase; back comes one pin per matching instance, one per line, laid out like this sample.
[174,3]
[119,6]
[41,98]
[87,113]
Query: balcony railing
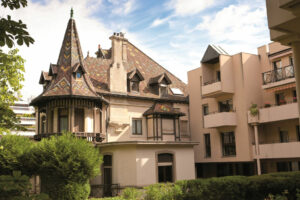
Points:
[278,74]
[89,136]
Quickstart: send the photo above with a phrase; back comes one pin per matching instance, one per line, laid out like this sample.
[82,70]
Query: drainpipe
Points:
[296,55]
[257,149]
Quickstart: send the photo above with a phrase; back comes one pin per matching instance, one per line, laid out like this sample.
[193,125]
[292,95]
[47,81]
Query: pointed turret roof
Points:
[70,61]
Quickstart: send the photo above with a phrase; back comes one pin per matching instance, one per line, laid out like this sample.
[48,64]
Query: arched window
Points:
[165,167]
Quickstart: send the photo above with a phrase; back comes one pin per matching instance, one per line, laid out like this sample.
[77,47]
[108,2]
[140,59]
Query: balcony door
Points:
[79,120]
[63,124]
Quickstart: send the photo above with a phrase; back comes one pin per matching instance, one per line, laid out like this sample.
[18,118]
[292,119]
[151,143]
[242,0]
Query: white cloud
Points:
[190,7]
[159,21]
[47,24]
[123,7]
[242,27]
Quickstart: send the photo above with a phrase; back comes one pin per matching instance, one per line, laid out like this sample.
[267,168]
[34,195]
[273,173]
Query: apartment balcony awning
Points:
[282,87]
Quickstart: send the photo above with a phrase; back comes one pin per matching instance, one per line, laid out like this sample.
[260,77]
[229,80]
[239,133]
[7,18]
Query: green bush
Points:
[65,164]
[240,187]
[12,151]
[167,191]
[132,193]
[17,187]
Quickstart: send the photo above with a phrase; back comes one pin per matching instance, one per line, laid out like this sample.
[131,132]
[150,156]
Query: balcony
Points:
[89,136]
[278,113]
[278,150]
[277,77]
[211,88]
[220,119]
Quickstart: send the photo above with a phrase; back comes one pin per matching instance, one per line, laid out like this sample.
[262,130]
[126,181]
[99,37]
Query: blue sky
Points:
[175,33]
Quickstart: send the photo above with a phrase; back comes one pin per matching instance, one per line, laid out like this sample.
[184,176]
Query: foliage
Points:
[163,192]
[11,65]
[11,76]
[65,164]
[17,187]
[132,193]
[239,187]
[12,153]
[254,110]
[13,30]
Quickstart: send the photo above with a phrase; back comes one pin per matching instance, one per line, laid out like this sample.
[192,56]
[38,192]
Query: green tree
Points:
[11,76]
[12,30]
[11,64]
[65,164]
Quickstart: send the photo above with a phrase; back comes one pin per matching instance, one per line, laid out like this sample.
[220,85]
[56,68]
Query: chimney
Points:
[118,73]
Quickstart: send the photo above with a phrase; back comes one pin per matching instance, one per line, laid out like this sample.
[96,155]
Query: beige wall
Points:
[240,73]
[136,165]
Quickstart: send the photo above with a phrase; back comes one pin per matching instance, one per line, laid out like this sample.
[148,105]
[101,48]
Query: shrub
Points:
[254,110]
[17,187]
[65,164]
[131,193]
[13,149]
[163,192]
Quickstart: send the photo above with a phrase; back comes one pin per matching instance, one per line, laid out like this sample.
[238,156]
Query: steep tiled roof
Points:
[95,81]
[98,71]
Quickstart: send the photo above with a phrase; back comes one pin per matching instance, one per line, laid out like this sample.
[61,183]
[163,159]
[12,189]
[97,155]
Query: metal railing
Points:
[278,74]
[268,105]
[105,190]
[89,136]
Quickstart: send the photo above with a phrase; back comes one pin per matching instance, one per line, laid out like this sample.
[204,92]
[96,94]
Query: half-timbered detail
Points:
[124,102]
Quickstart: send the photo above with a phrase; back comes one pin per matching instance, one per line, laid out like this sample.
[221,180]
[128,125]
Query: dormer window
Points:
[78,74]
[133,81]
[160,84]
[134,86]
[163,90]
[78,71]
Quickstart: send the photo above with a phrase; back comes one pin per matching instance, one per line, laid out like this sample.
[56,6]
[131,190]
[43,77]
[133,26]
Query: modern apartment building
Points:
[27,119]
[232,140]
[277,123]
[130,107]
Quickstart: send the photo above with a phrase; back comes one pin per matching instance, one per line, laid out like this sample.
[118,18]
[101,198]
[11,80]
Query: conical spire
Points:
[69,61]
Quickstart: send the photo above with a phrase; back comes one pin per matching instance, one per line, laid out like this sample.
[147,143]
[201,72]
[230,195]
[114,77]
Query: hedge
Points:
[241,187]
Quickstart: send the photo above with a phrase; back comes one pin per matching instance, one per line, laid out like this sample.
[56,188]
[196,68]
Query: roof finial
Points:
[72,12]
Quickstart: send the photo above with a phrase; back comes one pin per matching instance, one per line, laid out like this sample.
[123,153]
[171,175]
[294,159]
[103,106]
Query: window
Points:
[63,120]
[184,127]
[137,127]
[78,74]
[107,175]
[291,60]
[168,126]
[284,166]
[163,90]
[218,76]
[79,120]
[205,109]
[207,145]
[280,100]
[277,64]
[134,86]
[284,136]
[228,144]
[294,96]
[165,167]
[43,121]
[225,106]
